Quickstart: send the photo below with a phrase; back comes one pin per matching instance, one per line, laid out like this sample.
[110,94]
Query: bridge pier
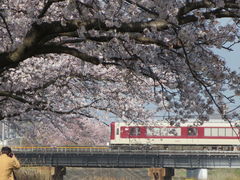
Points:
[58,172]
[197,174]
[161,173]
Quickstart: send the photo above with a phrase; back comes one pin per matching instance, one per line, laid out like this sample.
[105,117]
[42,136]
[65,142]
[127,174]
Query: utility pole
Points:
[3,133]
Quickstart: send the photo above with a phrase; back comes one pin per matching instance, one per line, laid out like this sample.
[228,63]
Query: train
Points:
[162,136]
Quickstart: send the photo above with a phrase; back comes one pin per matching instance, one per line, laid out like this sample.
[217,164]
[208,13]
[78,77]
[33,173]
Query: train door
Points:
[117,134]
[134,133]
[192,134]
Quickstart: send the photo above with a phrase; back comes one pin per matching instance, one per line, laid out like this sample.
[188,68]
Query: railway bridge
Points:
[104,157]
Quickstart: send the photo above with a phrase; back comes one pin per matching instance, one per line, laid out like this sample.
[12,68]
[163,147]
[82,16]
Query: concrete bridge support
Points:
[161,173]
[197,174]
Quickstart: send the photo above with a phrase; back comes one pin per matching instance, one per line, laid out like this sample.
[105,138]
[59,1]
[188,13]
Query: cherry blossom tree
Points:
[69,66]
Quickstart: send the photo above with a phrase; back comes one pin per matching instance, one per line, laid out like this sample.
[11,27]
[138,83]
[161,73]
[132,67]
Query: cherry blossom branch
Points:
[219,13]
[143,8]
[195,76]
[76,108]
[58,49]
[204,4]
[47,6]
[2,117]
[194,5]
[6,25]
[48,31]
[38,32]
[13,96]
[97,24]
[56,125]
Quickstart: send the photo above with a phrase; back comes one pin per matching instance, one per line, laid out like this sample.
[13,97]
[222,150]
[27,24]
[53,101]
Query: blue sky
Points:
[232,58]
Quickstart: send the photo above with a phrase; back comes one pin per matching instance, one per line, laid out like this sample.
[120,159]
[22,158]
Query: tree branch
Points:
[204,4]
[6,25]
[219,13]
[194,5]
[11,95]
[40,34]
[58,49]
[47,6]
[143,8]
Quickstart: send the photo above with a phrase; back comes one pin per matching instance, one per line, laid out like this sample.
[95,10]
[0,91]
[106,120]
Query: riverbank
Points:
[44,173]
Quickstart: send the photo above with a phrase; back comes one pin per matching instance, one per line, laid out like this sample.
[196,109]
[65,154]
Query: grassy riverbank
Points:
[214,174]
[142,174]
[33,173]
[44,173]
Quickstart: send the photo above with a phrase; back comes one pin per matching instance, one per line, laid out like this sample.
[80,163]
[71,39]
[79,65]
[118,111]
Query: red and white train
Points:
[209,136]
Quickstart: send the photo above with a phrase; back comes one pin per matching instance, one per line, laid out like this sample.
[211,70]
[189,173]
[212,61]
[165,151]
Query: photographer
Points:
[8,162]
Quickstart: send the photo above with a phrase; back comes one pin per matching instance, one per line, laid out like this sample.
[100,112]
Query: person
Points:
[8,162]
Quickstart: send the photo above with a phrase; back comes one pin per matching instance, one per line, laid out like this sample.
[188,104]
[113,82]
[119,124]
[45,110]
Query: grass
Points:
[44,173]
[224,174]
[33,173]
[213,174]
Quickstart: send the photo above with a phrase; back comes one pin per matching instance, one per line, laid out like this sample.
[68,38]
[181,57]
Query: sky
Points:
[232,58]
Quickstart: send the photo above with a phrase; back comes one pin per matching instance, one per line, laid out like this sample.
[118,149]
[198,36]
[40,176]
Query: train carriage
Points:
[210,136]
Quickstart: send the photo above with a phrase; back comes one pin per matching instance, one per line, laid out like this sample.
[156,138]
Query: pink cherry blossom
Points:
[70,67]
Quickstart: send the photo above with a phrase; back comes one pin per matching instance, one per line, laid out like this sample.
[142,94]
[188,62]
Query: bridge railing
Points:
[106,157]
[107,149]
[56,149]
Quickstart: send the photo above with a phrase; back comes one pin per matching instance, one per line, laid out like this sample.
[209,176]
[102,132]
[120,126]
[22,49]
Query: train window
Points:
[222,132]
[207,131]
[171,132]
[192,131]
[236,132]
[174,131]
[214,131]
[156,131]
[163,131]
[153,131]
[150,132]
[135,131]
[117,131]
[229,132]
